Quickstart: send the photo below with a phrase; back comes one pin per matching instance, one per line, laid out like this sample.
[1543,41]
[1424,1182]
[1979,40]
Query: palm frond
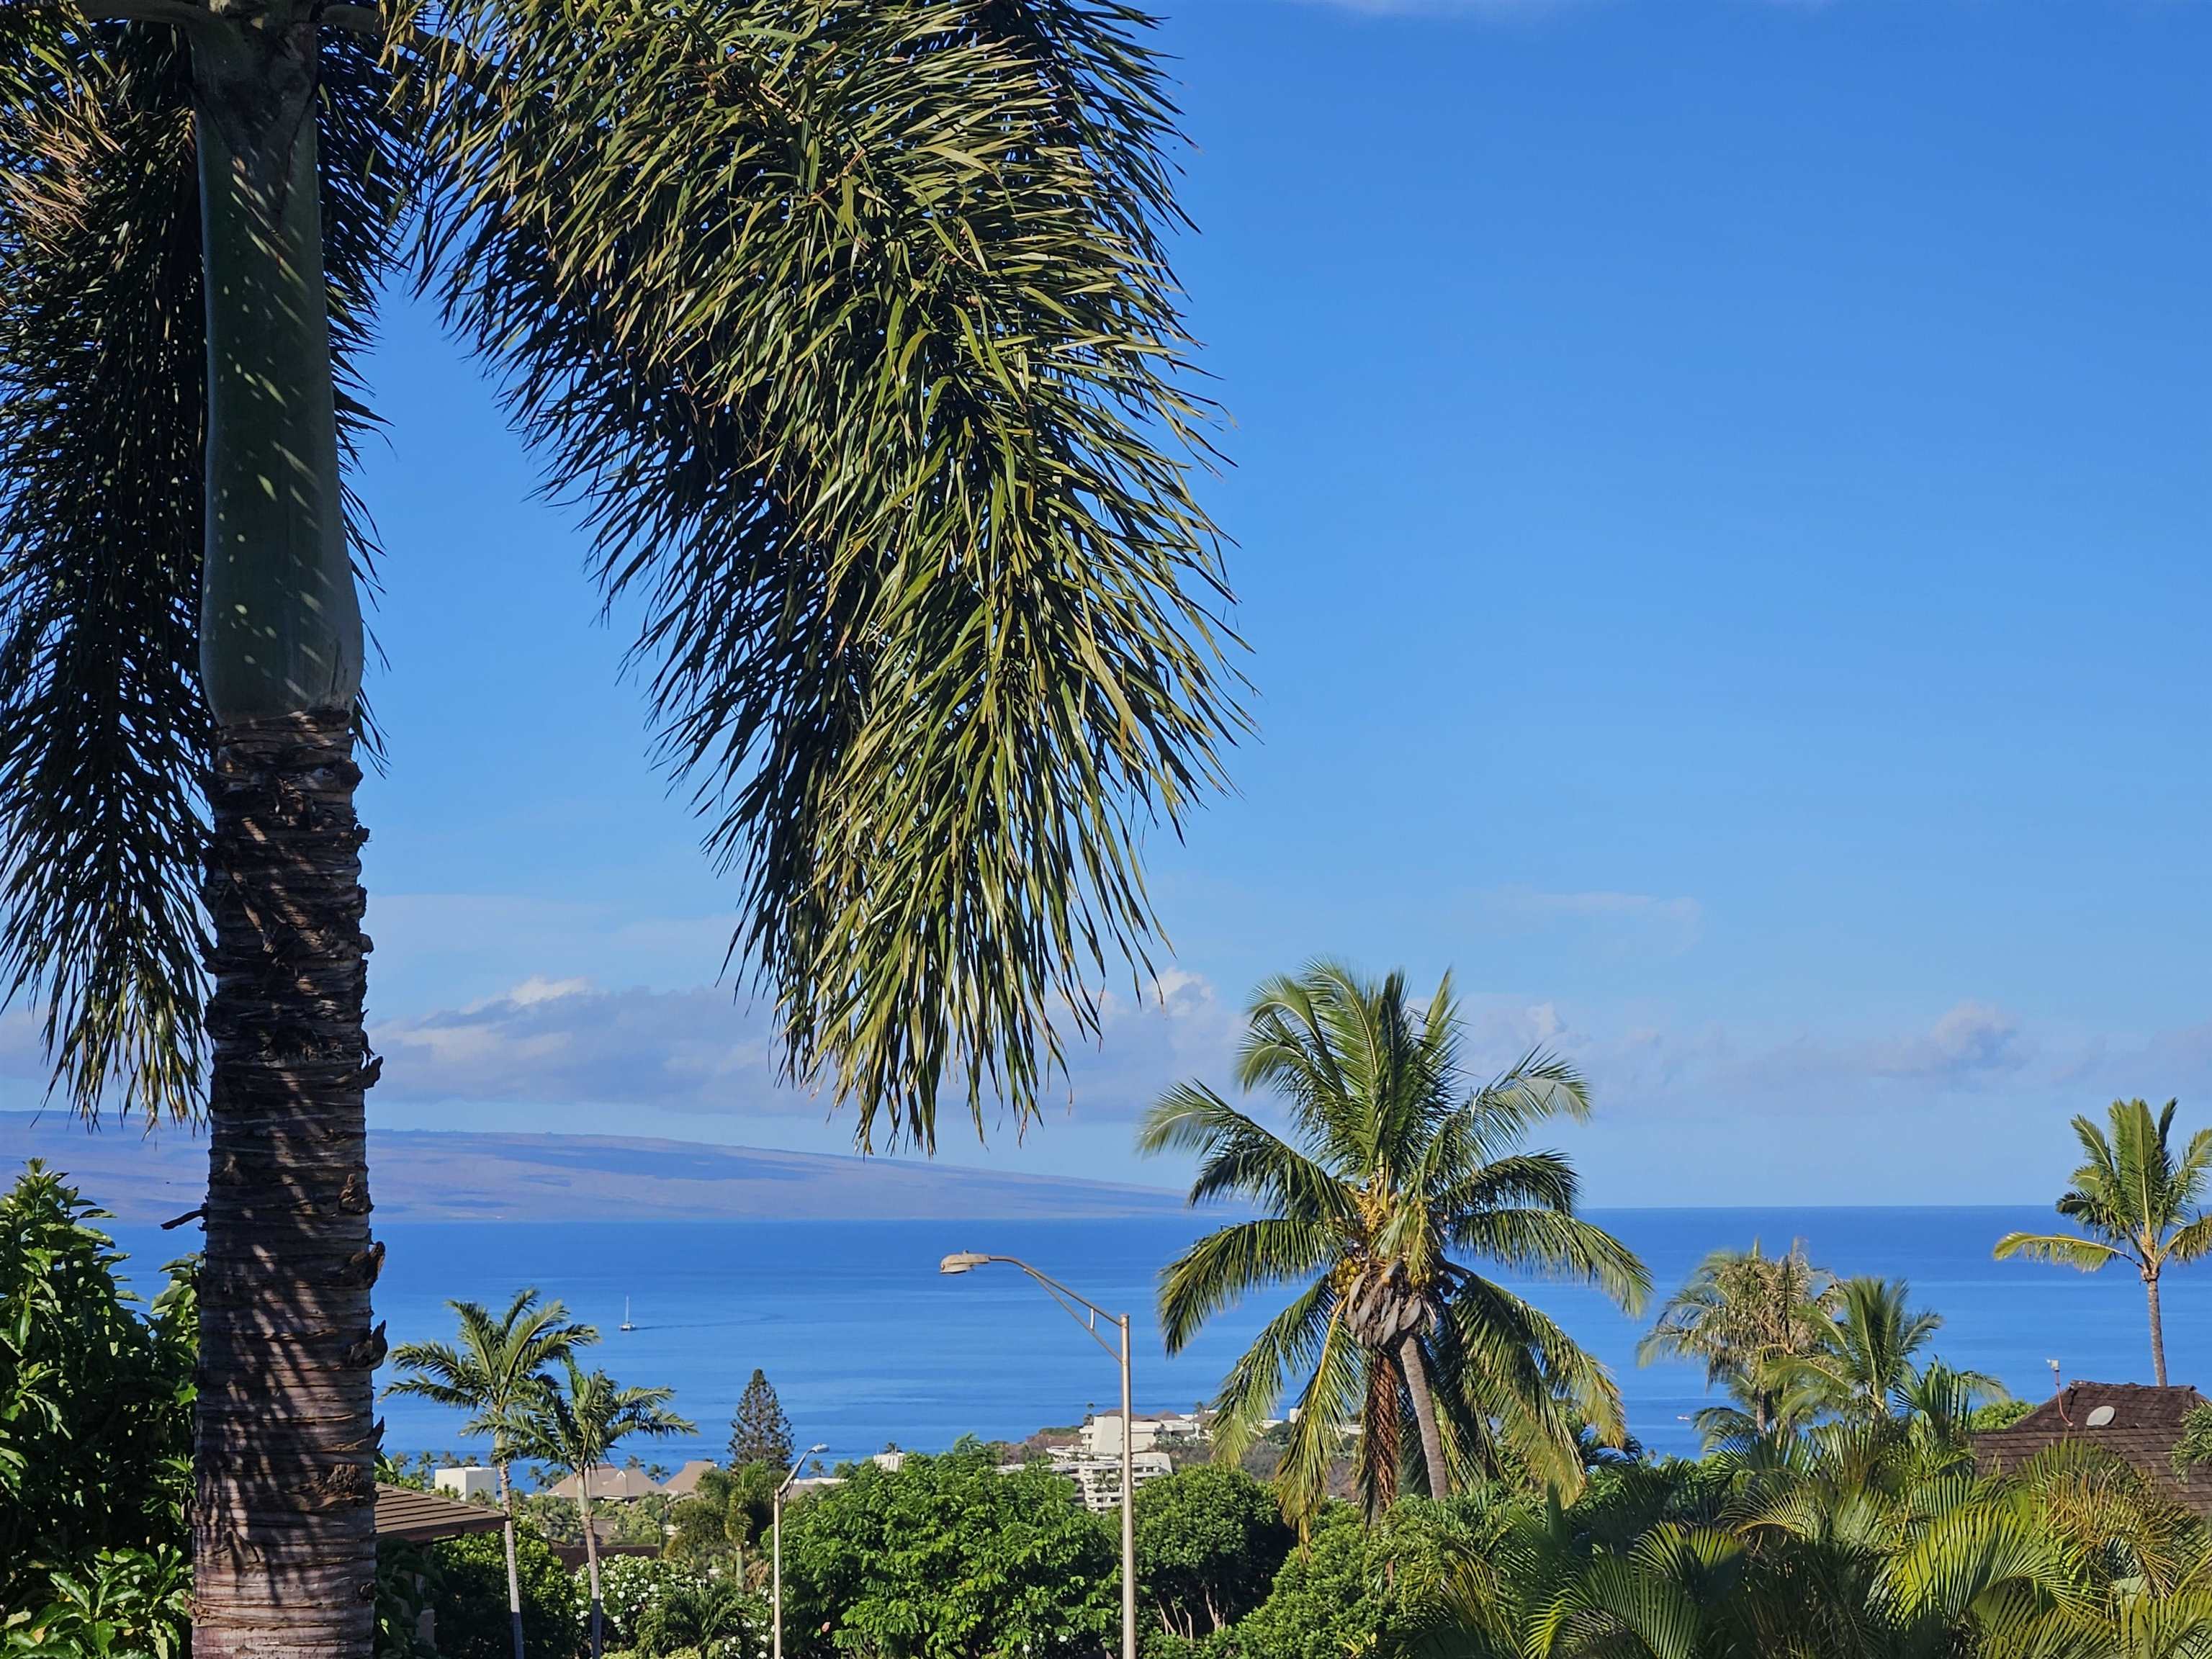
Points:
[848,326]
[104,735]
[2067,1249]
[1549,1244]
[1225,1265]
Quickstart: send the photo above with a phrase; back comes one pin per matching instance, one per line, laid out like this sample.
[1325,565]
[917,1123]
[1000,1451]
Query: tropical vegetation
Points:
[1396,1172]
[1742,1315]
[850,327]
[2135,1199]
[573,1422]
[499,1366]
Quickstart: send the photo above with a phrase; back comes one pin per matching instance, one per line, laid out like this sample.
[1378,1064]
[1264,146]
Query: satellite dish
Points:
[2098,1417]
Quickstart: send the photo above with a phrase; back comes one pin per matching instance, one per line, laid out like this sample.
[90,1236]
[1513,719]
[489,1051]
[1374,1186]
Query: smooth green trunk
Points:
[280,619]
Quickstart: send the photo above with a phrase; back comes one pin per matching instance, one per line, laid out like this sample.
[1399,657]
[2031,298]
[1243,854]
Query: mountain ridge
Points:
[451,1175]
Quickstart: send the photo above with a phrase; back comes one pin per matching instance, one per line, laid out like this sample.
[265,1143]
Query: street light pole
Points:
[961,1261]
[1128,1507]
[775,1570]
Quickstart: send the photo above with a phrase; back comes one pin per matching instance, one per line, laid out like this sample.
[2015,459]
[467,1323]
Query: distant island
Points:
[422,1175]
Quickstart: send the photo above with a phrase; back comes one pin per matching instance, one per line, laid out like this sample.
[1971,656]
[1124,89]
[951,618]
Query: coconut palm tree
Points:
[1738,1314]
[848,326]
[1394,1166]
[573,1422]
[499,1363]
[2135,1202]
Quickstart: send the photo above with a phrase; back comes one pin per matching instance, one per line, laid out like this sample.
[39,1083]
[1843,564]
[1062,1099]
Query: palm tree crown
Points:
[1395,1168]
[2134,1201]
[1740,1313]
[496,1368]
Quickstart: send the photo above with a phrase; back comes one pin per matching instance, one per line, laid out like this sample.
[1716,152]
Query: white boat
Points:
[626,1325]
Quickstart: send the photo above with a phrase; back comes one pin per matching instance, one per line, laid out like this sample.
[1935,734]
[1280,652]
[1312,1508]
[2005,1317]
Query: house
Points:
[686,1480]
[2134,1422]
[468,1483]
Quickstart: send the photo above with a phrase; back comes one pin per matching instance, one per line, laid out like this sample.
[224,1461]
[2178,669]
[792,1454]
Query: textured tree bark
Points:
[283,1522]
[2157,1330]
[513,1573]
[1425,1414]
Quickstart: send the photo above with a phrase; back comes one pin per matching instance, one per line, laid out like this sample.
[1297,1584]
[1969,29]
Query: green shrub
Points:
[713,1618]
[123,1602]
[469,1596]
[630,1584]
[947,1558]
[1209,1542]
[95,1396]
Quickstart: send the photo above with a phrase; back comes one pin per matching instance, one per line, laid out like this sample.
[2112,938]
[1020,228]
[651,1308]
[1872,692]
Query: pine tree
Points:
[760,1432]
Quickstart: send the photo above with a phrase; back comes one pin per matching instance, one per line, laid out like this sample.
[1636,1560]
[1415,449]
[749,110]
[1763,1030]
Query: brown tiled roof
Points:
[403,1512]
[2134,1421]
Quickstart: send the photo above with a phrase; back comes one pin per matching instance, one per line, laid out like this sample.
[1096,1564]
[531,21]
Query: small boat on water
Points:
[626,1325]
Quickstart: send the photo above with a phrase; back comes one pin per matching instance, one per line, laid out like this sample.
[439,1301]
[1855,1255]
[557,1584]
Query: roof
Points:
[609,1483]
[2134,1421]
[404,1513]
[686,1480]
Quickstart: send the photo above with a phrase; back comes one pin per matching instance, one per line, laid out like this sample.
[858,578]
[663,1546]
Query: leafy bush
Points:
[944,1557]
[1209,1541]
[469,1596]
[630,1584]
[714,1618]
[133,1603]
[95,1398]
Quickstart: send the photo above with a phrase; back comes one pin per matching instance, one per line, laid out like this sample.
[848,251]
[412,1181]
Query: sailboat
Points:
[626,1325]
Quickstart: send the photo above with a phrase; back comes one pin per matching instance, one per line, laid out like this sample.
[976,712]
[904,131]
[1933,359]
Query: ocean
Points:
[869,1345]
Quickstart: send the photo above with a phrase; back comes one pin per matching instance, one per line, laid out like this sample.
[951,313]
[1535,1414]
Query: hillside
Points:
[431,1176]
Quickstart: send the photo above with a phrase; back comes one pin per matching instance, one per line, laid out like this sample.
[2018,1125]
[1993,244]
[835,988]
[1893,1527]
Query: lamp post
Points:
[962,1261]
[775,1570]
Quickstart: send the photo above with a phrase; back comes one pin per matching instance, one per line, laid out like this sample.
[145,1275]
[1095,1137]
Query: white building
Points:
[1099,1480]
[1102,1433]
[467,1483]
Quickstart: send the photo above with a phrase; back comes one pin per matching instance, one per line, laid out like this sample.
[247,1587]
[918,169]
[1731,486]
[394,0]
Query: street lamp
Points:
[775,1577]
[962,1261]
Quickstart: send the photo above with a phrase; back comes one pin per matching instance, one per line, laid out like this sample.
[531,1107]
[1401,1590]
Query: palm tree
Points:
[1740,1313]
[849,327]
[497,1366]
[573,1423]
[1397,1166]
[2137,1203]
[1862,1358]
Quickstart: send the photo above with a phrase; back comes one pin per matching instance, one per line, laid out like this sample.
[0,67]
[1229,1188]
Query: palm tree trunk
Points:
[513,1573]
[1425,1414]
[284,1517]
[591,1552]
[2157,1330]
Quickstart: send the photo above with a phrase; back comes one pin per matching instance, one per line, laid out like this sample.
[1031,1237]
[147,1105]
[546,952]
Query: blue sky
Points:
[1720,489]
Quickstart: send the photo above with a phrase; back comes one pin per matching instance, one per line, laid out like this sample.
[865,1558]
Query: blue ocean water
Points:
[868,1345]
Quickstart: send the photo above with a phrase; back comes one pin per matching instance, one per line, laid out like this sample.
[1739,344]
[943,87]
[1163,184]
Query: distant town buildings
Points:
[1100,1432]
